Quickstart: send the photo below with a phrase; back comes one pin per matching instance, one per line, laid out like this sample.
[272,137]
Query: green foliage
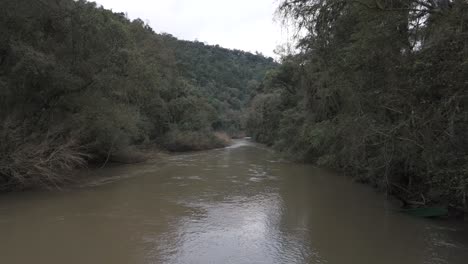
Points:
[226,78]
[109,82]
[378,90]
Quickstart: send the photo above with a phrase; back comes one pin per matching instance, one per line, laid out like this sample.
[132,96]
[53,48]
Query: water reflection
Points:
[236,205]
[222,232]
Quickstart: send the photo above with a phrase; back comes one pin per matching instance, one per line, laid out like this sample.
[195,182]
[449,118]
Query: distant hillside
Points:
[228,78]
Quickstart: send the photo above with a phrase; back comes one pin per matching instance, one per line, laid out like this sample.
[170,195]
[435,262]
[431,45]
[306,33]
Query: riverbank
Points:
[49,163]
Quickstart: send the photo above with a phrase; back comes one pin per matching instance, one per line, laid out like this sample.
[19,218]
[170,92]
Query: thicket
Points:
[378,89]
[78,83]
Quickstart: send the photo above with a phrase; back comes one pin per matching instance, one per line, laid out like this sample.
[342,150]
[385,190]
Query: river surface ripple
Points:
[241,204]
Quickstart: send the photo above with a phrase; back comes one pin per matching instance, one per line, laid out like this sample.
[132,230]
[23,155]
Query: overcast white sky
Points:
[235,24]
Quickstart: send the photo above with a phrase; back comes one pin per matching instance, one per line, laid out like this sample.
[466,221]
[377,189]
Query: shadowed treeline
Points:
[377,89]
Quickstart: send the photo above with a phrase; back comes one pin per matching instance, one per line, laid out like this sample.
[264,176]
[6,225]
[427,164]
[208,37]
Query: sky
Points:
[236,24]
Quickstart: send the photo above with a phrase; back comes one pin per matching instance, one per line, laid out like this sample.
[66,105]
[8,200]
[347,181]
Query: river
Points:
[241,204]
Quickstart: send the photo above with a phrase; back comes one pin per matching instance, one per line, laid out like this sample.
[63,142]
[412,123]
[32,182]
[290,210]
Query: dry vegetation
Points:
[37,160]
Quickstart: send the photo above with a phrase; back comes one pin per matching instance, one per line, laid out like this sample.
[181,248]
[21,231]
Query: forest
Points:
[377,90]
[123,143]
[79,83]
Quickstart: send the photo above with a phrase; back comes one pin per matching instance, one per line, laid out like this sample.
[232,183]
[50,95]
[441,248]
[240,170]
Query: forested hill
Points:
[227,78]
[379,90]
[79,83]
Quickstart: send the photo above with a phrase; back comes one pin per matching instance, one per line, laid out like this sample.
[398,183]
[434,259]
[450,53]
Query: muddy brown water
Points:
[236,205]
